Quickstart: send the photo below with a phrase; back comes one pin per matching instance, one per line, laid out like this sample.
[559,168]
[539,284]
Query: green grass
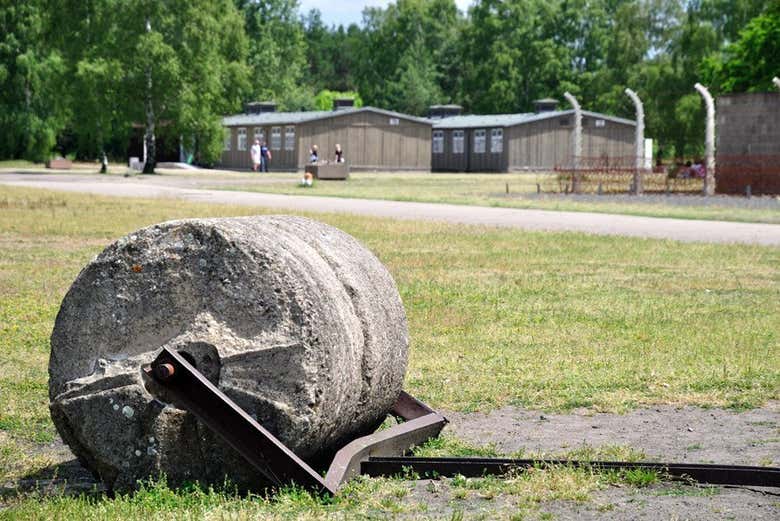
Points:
[490,190]
[20,163]
[497,317]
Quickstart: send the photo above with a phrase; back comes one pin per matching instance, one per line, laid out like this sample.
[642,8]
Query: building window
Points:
[496,140]
[276,138]
[289,138]
[260,134]
[457,142]
[479,141]
[438,141]
[228,139]
[241,139]
[394,121]
[600,123]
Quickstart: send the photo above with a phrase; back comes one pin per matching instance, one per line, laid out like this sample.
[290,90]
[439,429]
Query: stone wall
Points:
[748,143]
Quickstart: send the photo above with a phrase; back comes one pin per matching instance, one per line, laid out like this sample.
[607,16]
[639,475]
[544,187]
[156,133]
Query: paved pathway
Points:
[596,223]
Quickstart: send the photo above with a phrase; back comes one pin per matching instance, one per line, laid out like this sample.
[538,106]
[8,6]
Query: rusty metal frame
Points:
[383,453]
[269,456]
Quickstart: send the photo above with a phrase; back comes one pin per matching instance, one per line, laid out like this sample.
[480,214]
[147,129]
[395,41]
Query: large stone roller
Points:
[294,320]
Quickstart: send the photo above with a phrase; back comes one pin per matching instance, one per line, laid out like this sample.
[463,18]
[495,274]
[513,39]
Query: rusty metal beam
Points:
[272,459]
[278,464]
[477,467]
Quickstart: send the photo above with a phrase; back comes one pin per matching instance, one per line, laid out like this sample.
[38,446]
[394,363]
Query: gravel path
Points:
[595,223]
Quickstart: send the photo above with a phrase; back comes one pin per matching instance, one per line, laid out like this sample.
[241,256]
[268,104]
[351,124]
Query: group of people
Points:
[692,171]
[261,155]
[314,156]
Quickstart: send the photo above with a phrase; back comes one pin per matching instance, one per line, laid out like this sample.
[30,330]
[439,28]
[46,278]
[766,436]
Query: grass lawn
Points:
[490,190]
[497,317]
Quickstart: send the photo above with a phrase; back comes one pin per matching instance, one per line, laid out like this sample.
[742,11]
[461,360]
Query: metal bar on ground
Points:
[478,467]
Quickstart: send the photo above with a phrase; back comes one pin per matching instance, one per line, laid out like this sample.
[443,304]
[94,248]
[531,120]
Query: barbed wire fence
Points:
[617,175]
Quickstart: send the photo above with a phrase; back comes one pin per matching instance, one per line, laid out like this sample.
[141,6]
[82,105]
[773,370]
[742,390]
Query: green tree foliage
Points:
[134,62]
[410,45]
[750,63]
[329,53]
[32,112]
[511,55]
[325,98]
[89,70]
[277,52]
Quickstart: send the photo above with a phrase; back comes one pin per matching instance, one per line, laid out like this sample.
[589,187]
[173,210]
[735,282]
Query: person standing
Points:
[255,153]
[265,157]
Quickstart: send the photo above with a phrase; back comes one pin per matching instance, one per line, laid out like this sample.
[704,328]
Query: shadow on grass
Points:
[66,478]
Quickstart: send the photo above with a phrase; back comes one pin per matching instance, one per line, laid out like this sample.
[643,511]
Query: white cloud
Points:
[345,12]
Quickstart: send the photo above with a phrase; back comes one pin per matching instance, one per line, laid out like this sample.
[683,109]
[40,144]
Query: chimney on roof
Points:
[546,105]
[343,103]
[444,111]
[259,107]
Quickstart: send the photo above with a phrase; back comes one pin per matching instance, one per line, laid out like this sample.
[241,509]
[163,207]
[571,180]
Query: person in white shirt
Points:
[255,153]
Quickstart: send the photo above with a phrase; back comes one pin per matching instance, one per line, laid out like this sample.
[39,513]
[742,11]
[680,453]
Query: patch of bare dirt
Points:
[663,433]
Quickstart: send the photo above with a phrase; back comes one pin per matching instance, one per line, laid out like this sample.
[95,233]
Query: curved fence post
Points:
[639,149]
[709,143]
[577,144]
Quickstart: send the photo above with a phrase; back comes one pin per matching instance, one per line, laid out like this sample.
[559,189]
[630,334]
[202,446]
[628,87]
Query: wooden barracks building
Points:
[371,138]
[541,140]
[376,139]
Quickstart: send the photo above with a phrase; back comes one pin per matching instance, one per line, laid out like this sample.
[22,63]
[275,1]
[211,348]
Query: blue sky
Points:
[346,12]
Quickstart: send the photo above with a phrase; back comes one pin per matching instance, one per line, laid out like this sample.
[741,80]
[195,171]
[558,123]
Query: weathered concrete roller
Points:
[293,319]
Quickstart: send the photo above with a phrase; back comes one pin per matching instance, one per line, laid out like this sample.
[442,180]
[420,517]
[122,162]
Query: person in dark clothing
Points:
[339,154]
[265,157]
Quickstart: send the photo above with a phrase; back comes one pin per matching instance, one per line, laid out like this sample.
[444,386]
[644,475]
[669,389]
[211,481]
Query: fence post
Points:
[577,139]
[639,150]
[709,143]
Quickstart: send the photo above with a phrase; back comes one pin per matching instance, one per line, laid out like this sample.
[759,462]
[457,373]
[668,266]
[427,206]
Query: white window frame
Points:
[276,138]
[496,140]
[241,139]
[260,134]
[600,123]
[458,141]
[438,142]
[289,138]
[228,139]
[480,136]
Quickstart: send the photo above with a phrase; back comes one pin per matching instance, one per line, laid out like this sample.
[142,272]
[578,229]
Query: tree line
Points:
[82,76]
